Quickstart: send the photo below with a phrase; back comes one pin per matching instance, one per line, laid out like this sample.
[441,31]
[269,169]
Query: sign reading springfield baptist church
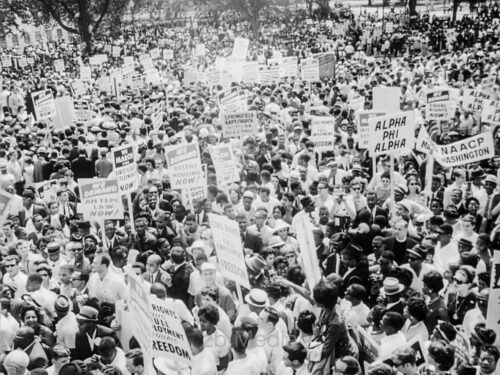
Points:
[391,133]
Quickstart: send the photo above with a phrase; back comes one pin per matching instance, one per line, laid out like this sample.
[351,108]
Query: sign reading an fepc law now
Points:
[184,165]
[391,133]
[125,168]
[100,199]
[323,133]
[44,103]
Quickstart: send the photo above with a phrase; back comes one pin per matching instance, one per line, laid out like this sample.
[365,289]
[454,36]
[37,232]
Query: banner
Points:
[469,150]
[440,111]
[184,165]
[224,163]
[310,70]
[391,133]
[169,338]
[387,99]
[323,133]
[227,243]
[363,131]
[100,199]
[125,168]
[239,124]
[493,321]
[473,100]
[45,106]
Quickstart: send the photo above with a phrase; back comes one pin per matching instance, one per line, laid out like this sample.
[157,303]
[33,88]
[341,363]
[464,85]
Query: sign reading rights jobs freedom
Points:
[227,242]
[323,133]
[184,165]
[125,168]
[391,133]
[100,199]
[239,124]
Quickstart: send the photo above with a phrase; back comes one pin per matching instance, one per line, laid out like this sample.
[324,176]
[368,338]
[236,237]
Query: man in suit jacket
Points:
[82,167]
[393,290]
[355,271]
[180,272]
[400,242]
[250,241]
[30,208]
[89,334]
[375,210]
[154,273]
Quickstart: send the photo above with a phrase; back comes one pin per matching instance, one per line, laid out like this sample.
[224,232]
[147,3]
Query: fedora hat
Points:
[276,241]
[392,286]
[257,298]
[87,314]
[255,264]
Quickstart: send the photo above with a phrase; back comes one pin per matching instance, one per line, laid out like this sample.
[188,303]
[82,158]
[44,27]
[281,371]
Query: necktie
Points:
[151,279]
[487,211]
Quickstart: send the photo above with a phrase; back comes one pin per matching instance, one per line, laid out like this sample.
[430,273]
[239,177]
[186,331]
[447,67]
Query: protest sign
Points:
[44,104]
[491,112]
[264,73]
[82,111]
[6,61]
[424,142]
[250,71]
[488,83]
[59,65]
[224,163]
[125,168]
[310,70]
[239,124]
[65,113]
[440,94]
[5,199]
[493,320]
[154,53]
[85,73]
[22,61]
[363,131]
[184,164]
[232,100]
[323,133]
[440,111]
[169,337]
[326,63]
[473,100]
[142,312]
[304,229]
[78,88]
[47,190]
[290,66]
[275,67]
[116,51]
[240,48]
[199,191]
[387,99]
[100,199]
[227,243]
[357,103]
[391,133]
[168,54]
[368,348]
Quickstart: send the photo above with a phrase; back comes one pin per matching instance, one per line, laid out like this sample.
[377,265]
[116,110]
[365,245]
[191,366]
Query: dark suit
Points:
[379,211]
[38,171]
[358,275]
[252,242]
[488,224]
[37,210]
[180,284]
[82,347]
[398,307]
[400,256]
[82,168]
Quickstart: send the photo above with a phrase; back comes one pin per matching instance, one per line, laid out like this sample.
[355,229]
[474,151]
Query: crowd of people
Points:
[405,258]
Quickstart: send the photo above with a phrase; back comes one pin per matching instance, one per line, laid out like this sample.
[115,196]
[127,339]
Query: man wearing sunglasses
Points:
[14,276]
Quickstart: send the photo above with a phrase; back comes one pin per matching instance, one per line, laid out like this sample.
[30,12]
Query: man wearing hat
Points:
[392,290]
[446,252]
[491,207]
[55,261]
[67,325]
[89,334]
[30,208]
[417,266]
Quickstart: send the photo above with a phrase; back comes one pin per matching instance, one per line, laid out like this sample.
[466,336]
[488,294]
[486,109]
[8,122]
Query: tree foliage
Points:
[85,18]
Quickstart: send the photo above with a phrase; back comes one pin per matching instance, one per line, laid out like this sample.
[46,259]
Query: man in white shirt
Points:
[294,360]
[214,339]
[55,261]
[242,363]
[111,355]
[203,361]
[14,277]
[271,338]
[393,338]
[446,252]
[358,312]
[67,325]
[103,284]
[8,325]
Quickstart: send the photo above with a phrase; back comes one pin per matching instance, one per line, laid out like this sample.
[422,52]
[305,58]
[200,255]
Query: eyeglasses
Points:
[356,189]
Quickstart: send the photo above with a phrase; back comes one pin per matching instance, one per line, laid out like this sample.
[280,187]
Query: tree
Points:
[251,11]
[85,18]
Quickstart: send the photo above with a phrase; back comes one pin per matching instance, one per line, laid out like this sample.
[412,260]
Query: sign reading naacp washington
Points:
[391,133]
[470,150]
[184,165]
[100,199]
